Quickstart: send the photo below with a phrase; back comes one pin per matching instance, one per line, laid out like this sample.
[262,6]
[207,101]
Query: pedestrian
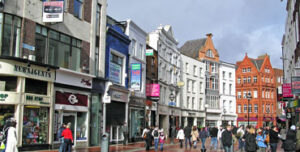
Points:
[227,139]
[155,135]
[260,139]
[240,134]
[5,132]
[125,133]
[162,139]
[187,135]
[220,137]
[60,137]
[298,138]
[68,138]
[283,134]
[180,136]
[203,135]
[289,144]
[148,139]
[195,135]
[144,135]
[12,140]
[250,141]
[273,133]
[214,140]
[266,133]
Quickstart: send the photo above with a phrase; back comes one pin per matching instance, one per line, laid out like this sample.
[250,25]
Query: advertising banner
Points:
[296,85]
[287,90]
[136,76]
[149,52]
[152,90]
[53,11]
[115,72]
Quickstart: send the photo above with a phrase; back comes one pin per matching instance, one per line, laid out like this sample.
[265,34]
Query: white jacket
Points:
[11,145]
[180,134]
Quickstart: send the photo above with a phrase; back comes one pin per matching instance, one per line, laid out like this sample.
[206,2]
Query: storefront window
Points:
[8,83]
[35,125]
[36,86]
[137,125]
[6,112]
[41,43]
[81,130]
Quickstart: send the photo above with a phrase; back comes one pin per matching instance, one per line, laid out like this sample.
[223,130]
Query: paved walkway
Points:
[139,147]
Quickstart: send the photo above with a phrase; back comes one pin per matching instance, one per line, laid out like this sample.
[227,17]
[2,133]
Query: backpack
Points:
[3,134]
[155,133]
[267,140]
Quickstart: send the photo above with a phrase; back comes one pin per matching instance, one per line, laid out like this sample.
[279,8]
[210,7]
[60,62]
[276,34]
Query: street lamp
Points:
[206,106]
[249,98]
[172,97]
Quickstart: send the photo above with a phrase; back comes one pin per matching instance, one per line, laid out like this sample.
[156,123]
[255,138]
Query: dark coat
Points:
[203,134]
[290,142]
[187,132]
[250,142]
[214,132]
[273,136]
[227,138]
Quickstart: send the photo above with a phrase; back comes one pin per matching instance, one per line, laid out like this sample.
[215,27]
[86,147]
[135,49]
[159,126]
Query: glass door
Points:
[70,118]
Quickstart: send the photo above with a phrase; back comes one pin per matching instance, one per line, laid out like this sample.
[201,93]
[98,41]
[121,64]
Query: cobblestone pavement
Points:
[139,147]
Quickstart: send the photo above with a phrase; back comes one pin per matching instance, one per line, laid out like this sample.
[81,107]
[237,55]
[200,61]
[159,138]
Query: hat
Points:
[293,127]
[13,120]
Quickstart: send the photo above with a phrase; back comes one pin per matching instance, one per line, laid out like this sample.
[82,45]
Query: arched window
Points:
[209,54]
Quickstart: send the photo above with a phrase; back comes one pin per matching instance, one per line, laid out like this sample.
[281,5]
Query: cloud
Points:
[239,26]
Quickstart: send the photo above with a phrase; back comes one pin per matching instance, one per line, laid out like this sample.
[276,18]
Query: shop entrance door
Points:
[70,118]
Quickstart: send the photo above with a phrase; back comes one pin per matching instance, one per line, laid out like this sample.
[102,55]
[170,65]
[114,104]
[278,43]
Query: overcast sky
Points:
[238,26]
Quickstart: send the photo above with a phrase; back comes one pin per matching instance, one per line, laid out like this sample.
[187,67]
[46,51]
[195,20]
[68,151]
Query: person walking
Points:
[273,138]
[240,134]
[60,137]
[203,135]
[250,141]
[144,135]
[214,141]
[125,133]
[187,135]
[12,140]
[221,129]
[289,144]
[180,136]
[260,139]
[227,139]
[195,135]
[162,139]
[155,135]
[298,138]
[68,138]
[5,132]
[148,139]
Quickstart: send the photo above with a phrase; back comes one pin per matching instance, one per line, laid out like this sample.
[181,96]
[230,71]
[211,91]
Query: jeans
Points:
[161,146]
[156,143]
[67,145]
[241,144]
[203,142]
[261,149]
[273,147]
[195,144]
[186,142]
[228,148]
[181,141]
[214,142]
[61,147]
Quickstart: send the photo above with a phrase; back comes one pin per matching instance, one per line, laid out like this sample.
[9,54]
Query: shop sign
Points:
[119,96]
[172,103]
[53,11]
[67,98]
[163,110]
[287,90]
[115,72]
[74,79]
[136,76]
[37,99]
[152,90]
[3,96]
[293,103]
[32,71]
[149,52]
[296,85]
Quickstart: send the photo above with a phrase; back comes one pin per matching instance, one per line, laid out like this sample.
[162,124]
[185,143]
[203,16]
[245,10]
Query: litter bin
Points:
[105,142]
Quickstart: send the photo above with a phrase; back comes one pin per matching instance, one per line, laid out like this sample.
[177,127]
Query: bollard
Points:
[105,142]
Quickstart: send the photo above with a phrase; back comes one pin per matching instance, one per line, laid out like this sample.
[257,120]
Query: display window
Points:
[81,129]
[6,112]
[35,125]
[137,122]
[8,83]
[36,86]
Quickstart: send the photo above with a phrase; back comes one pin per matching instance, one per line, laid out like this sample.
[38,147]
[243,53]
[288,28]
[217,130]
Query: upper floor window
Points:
[239,108]
[239,95]
[200,72]
[255,108]
[244,80]
[77,9]
[230,75]
[245,108]
[249,79]
[224,88]
[187,67]
[250,108]
[116,68]
[8,83]
[194,70]
[255,79]
[200,103]
[244,70]
[230,87]
[239,80]
[255,94]
[223,74]
[133,46]
[209,54]
[267,70]
[139,51]
[248,69]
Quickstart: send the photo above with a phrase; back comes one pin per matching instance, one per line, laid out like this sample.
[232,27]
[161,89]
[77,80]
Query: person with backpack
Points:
[5,133]
[289,144]
[12,140]
[187,135]
[162,139]
[155,134]
[180,136]
[60,137]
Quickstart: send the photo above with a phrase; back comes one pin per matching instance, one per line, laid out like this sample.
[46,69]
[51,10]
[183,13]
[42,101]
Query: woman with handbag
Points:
[195,135]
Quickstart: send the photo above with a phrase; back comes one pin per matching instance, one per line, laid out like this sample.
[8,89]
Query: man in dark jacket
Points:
[60,137]
[273,133]
[214,140]
[289,144]
[227,139]
[187,135]
[5,131]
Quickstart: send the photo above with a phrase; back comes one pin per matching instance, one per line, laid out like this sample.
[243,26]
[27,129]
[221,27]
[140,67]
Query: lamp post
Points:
[172,97]
[206,106]
[249,98]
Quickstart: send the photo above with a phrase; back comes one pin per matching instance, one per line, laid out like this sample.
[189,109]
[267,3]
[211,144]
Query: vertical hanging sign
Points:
[136,75]
[53,11]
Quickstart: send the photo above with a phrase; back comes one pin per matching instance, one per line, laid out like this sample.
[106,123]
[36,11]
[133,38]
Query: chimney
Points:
[209,35]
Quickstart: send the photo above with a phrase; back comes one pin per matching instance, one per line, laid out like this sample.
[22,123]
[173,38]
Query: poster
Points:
[136,75]
[115,73]
[152,90]
[296,85]
[53,11]
[287,90]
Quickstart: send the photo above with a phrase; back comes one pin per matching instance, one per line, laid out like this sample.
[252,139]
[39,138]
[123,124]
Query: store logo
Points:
[3,97]
[73,99]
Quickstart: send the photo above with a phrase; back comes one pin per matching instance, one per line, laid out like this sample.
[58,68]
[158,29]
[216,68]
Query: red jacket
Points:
[67,134]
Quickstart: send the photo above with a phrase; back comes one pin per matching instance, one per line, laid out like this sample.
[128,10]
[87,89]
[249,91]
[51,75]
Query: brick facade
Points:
[71,5]
[87,14]
[28,36]
[85,57]
[256,75]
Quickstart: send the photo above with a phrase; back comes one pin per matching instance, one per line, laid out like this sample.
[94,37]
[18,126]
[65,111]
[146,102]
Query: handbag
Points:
[196,137]
[2,146]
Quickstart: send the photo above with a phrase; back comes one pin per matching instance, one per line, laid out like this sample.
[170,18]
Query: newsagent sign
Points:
[53,11]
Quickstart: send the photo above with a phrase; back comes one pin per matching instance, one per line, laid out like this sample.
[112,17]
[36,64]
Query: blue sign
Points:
[29,47]
[136,76]
[172,103]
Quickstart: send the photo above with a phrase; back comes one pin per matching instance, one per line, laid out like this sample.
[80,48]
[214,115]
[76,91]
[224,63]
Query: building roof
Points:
[191,48]
[257,62]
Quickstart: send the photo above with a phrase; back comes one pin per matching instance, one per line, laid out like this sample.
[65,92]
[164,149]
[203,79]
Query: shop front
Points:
[244,121]
[163,112]
[72,105]
[213,120]
[117,113]
[25,94]
[136,119]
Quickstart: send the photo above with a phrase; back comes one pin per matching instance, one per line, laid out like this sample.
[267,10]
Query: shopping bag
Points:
[2,146]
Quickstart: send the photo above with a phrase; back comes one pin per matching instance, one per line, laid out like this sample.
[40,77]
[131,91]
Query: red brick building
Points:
[256,76]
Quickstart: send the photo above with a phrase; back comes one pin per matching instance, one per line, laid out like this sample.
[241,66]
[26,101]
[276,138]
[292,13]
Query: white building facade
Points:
[193,92]
[227,93]
[169,111]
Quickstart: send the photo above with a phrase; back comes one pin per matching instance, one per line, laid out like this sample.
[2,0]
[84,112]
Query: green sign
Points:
[136,66]
[3,97]
[149,52]
[36,99]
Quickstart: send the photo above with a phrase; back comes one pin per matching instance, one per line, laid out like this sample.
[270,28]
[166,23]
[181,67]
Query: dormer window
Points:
[209,54]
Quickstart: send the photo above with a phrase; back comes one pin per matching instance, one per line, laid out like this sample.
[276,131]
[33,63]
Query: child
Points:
[162,140]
